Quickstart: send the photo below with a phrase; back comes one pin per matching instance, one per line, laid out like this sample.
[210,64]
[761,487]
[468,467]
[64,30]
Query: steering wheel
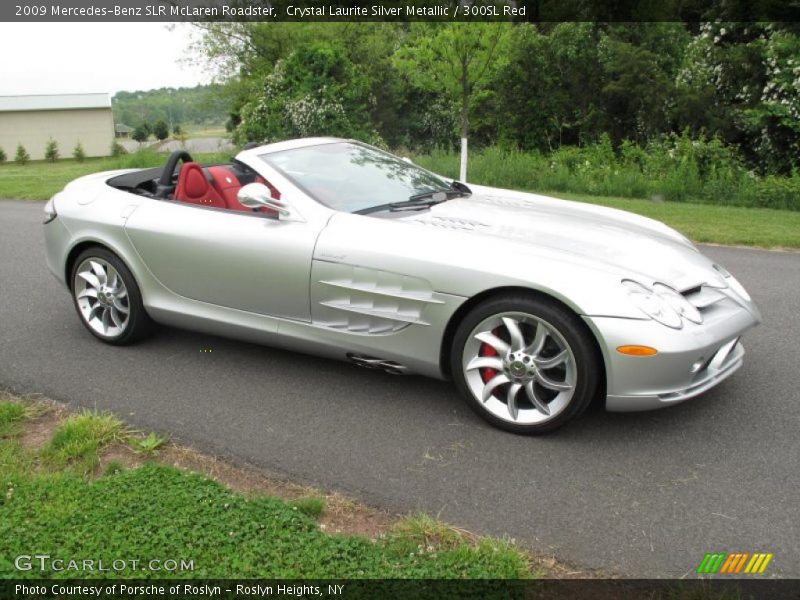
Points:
[164,186]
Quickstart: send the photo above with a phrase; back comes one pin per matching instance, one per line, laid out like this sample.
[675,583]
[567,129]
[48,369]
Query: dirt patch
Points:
[121,454]
[39,427]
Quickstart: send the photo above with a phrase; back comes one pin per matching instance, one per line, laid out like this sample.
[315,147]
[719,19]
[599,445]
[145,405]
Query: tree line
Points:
[200,105]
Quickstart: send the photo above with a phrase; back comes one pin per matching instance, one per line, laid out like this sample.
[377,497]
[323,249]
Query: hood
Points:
[611,239]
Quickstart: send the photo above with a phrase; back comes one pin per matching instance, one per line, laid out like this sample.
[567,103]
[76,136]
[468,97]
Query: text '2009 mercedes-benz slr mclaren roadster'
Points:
[533,306]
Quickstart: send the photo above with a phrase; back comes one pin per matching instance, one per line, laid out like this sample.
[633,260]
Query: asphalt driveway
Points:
[643,494]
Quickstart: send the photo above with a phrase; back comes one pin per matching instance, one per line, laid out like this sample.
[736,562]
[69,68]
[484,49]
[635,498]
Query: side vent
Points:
[370,362]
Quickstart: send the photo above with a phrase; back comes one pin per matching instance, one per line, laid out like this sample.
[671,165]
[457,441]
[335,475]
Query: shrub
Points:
[177,131]
[22,157]
[315,90]
[3,156]
[117,149]
[161,130]
[78,153]
[51,150]
[141,133]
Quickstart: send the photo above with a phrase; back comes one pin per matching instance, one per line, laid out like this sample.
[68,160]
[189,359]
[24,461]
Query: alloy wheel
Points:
[102,297]
[520,368]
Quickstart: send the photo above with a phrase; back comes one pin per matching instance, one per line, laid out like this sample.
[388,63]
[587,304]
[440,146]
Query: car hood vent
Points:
[454,223]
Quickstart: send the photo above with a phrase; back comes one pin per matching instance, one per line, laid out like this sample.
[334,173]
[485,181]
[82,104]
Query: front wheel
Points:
[525,364]
[107,298]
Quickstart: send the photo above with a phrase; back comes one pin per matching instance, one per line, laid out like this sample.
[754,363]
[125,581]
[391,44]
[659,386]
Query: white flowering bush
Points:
[315,91]
[747,78]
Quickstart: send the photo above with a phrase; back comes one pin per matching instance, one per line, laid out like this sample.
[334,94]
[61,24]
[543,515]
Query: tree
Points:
[51,150]
[161,130]
[456,59]
[3,156]
[22,157]
[78,153]
[316,90]
[141,133]
[177,131]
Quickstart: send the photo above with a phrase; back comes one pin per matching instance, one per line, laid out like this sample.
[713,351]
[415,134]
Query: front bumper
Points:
[689,362]
[56,245]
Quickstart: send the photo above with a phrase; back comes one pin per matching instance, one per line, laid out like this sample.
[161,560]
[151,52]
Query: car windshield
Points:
[352,177]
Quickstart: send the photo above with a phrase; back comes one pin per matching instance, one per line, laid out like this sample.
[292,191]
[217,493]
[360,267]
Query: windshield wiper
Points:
[423,200]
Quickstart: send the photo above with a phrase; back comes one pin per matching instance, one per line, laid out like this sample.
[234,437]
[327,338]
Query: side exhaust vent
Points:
[370,362]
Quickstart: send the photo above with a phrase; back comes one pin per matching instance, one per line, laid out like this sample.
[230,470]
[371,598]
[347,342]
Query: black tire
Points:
[138,324]
[587,361]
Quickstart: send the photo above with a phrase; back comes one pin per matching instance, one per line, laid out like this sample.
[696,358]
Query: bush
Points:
[78,154]
[22,157]
[141,133]
[51,150]
[117,149]
[161,130]
[778,192]
[177,131]
[3,157]
[315,90]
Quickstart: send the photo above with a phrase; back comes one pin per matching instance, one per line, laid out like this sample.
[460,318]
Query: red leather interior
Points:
[193,187]
[227,185]
[219,189]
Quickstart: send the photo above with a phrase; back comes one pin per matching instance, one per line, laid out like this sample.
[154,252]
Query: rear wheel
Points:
[524,364]
[107,298]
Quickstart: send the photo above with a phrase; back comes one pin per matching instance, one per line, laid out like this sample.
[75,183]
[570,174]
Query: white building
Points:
[67,118]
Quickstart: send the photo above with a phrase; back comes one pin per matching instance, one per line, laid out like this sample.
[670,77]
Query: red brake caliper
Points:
[486,350]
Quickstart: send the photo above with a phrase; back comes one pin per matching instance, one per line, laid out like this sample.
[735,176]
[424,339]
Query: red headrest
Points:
[195,182]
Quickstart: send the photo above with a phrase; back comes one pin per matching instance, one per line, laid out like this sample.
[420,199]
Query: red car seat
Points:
[227,184]
[193,187]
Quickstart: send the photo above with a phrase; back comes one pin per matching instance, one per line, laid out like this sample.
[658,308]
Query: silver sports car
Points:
[533,306]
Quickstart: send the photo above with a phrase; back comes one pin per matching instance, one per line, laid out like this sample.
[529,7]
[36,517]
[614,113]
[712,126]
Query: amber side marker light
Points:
[637,350]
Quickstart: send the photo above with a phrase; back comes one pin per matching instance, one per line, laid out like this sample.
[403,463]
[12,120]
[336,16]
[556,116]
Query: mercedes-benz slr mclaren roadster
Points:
[533,306]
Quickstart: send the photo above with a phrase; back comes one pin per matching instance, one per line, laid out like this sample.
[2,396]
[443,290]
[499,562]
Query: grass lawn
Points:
[206,132]
[767,228]
[39,180]
[58,497]
[734,225]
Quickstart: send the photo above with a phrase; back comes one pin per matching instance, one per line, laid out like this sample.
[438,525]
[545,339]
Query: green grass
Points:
[206,132]
[313,506]
[156,511]
[39,180]
[701,222]
[149,444]
[78,440]
[11,416]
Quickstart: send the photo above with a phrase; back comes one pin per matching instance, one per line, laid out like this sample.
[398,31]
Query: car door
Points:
[247,261]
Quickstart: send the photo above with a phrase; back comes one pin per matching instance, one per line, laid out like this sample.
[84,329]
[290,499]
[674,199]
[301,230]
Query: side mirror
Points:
[257,195]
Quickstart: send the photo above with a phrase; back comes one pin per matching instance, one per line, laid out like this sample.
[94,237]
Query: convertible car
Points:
[533,306]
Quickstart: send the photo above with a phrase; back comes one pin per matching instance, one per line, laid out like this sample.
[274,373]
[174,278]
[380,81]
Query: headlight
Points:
[733,282]
[50,211]
[678,303]
[654,305]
